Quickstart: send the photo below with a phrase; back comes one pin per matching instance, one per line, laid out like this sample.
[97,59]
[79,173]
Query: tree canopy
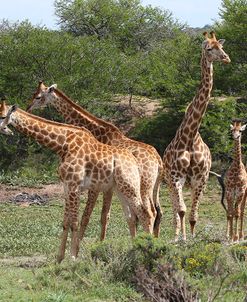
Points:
[110,47]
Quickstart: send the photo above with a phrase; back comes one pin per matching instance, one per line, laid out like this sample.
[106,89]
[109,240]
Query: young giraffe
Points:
[187,158]
[85,164]
[149,161]
[236,186]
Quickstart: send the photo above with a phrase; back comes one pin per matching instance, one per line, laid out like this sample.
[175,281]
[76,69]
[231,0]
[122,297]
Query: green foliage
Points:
[215,127]
[130,25]
[106,271]
[148,251]
[113,47]
[240,252]
[233,27]
[158,130]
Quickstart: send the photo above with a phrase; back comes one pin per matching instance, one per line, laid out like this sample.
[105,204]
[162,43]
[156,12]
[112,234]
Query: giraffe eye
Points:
[209,49]
[38,97]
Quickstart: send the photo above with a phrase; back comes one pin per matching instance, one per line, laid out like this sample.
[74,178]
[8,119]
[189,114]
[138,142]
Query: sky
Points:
[196,13]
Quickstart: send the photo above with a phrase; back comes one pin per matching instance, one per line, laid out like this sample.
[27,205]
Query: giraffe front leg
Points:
[62,248]
[237,216]
[91,201]
[74,199]
[105,214]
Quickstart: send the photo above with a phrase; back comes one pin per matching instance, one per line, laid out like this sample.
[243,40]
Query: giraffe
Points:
[236,186]
[3,128]
[149,161]
[85,164]
[187,158]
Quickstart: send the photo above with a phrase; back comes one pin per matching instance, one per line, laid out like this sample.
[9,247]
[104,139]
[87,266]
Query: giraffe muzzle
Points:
[226,60]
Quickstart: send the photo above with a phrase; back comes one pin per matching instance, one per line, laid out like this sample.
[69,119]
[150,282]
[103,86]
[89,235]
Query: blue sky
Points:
[195,13]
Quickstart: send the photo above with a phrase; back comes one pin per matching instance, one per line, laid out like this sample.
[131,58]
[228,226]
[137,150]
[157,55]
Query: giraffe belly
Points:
[94,179]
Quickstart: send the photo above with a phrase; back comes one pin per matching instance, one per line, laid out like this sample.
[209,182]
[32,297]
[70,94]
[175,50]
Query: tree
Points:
[132,26]
[233,27]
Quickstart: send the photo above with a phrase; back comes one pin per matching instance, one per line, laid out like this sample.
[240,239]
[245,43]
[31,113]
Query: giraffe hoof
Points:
[59,259]
[181,214]
[192,227]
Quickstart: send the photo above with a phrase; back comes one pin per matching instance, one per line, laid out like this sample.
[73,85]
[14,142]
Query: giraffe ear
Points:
[204,43]
[221,41]
[243,127]
[52,88]
[231,127]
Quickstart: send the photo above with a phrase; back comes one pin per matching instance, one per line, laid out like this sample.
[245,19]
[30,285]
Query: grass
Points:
[30,236]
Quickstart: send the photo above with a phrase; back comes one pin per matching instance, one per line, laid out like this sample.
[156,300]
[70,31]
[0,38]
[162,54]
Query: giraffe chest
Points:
[236,177]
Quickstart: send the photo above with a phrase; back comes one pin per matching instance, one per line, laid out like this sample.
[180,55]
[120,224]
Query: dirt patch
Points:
[8,192]
[25,262]
[138,108]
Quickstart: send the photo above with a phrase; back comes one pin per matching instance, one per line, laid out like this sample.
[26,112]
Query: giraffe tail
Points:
[221,182]
[157,206]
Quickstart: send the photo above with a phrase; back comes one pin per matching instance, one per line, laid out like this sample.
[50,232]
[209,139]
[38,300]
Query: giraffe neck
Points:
[76,115]
[196,109]
[237,160]
[50,134]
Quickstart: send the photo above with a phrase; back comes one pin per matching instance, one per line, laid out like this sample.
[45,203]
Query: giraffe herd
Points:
[95,156]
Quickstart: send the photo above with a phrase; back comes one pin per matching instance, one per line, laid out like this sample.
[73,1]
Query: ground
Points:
[30,236]
[52,190]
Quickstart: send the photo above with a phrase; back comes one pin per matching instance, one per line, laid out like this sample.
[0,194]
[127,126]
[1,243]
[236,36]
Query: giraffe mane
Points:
[85,112]
[53,123]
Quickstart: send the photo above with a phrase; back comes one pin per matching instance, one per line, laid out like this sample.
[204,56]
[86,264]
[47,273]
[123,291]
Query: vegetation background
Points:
[105,49]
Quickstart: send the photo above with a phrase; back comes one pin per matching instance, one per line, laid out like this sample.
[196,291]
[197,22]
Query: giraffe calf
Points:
[236,187]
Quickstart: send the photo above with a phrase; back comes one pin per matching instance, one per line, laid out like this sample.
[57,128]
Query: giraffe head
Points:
[237,128]
[42,96]
[5,114]
[213,49]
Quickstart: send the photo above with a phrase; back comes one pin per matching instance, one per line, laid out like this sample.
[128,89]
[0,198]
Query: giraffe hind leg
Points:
[129,213]
[179,210]
[105,214]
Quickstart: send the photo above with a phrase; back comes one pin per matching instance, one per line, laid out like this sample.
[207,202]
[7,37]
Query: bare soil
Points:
[52,190]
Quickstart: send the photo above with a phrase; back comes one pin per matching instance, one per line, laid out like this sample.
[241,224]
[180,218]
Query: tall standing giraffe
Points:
[187,158]
[149,161]
[236,186]
[85,164]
